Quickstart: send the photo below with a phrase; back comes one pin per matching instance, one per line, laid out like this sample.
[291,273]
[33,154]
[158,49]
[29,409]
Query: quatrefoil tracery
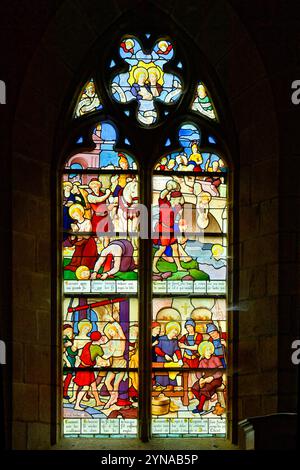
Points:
[146,81]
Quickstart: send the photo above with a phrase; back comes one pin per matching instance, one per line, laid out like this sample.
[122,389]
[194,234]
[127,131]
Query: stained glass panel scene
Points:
[189,223]
[203,104]
[100,203]
[100,265]
[146,81]
[189,334]
[189,386]
[111,269]
[103,155]
[100,366]
[101,223]
[190,158]
[88,100]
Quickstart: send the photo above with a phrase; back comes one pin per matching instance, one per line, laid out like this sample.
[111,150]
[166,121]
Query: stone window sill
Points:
[153,444]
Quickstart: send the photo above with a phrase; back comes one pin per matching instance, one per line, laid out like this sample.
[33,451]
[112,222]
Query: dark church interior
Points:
[248,55]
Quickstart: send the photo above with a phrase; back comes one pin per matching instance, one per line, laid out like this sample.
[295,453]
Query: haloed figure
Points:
[85,253]
[141,89]
[89,100]
[167,350]
[211,376]
[114,350]
[154,75]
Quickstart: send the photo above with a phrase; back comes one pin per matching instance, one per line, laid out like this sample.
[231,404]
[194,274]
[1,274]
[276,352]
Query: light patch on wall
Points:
[2,92]
[2,353]
[296,354]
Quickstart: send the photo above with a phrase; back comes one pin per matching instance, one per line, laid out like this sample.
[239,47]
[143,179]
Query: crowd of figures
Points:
[92,214]
[101,223]
[204,357]
[101,358]
[100,336]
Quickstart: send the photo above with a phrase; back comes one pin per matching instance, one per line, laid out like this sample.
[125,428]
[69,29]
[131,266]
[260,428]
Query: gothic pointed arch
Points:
[147,107]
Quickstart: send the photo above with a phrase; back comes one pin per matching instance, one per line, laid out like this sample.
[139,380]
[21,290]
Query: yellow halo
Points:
[217,250]
[204,346]
[76,208]
[129,43]
[163,45]
[173,325]
[155,71]
[142,65]
[80,270]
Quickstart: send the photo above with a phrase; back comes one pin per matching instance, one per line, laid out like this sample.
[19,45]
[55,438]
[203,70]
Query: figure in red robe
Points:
[85,253]
[85,377]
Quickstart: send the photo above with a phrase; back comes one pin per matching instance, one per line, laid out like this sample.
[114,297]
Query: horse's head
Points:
[130,192]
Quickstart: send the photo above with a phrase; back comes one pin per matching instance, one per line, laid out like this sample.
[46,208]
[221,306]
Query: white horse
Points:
[128,210]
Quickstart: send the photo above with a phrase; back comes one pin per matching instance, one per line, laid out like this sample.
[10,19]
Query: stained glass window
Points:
[108,267]
[189,324]
[88,100]
[100,191]
[202,103]
[146,81]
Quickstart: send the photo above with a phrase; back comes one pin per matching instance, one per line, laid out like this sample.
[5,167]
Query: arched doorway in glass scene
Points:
[100,191]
